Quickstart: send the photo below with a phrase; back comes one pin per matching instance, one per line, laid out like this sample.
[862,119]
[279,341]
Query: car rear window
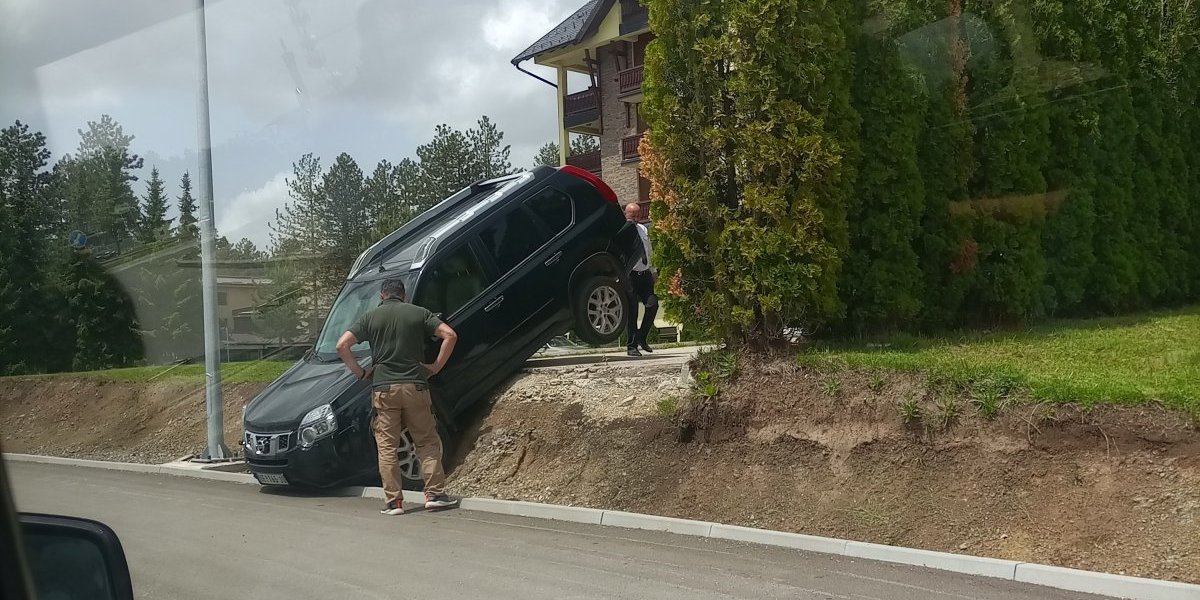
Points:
[553,207]
[511,238]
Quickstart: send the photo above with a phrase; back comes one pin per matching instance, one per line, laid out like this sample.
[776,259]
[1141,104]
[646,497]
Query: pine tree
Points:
[155,225]
[298,224]
[408,196]
[25,258]
[446,164]
[547,155]
[105,322]
[488,149]
[297,232]
[582,144]
[379,191]
[187,230]
[100,198]
[343,216]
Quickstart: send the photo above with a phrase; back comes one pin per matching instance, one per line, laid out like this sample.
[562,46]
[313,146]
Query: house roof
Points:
[571,31]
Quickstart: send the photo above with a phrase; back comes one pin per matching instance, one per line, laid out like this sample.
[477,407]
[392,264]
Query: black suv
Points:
[509,263]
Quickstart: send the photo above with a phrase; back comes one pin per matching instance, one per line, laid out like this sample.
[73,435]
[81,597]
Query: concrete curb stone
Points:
[766,537]
[959,563]
[1103,584]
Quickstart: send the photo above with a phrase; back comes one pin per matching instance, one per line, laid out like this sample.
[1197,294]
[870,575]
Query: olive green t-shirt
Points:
[397,332]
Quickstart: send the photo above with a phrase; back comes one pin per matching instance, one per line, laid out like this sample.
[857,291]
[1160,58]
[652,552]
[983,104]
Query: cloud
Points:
[250,212]
[510,27]
[286,77]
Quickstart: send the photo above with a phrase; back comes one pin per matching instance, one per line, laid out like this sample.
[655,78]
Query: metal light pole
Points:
[216,449]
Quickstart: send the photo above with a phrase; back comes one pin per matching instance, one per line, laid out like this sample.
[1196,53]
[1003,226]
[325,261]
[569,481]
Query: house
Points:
[606,41]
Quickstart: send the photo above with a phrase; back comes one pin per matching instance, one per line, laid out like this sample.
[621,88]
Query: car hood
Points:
[307,385]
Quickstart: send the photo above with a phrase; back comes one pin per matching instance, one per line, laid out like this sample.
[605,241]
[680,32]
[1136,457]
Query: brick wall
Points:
[622,177]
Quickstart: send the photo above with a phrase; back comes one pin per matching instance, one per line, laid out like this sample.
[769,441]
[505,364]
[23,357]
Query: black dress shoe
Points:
[645,348]
[633,352]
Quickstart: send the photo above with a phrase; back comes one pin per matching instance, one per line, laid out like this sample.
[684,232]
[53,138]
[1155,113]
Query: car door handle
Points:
[554,258]
[493,304]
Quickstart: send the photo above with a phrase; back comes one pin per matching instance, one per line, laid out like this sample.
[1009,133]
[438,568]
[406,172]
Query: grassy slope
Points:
[1140,358]
[264,371]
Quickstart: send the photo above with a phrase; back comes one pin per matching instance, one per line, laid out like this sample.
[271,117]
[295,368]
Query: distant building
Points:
[240,288]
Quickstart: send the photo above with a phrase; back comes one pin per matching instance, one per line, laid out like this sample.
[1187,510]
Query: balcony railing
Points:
[581,102]
[643,215]
[629,147]
[589,161]
[629,81]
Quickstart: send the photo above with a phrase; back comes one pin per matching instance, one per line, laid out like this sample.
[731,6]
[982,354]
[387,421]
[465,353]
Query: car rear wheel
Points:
[600,306]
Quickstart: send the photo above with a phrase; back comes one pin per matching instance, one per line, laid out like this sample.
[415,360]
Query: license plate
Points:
[272,479]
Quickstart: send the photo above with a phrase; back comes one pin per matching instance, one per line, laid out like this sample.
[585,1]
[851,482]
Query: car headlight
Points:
[318,423]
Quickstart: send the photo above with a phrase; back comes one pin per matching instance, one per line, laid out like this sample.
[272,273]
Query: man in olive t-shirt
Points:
[397,332]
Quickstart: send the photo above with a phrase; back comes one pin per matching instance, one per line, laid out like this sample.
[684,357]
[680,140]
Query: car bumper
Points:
[330,462]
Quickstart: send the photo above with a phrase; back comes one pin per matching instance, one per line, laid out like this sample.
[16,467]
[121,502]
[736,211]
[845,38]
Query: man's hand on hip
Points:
[433,369]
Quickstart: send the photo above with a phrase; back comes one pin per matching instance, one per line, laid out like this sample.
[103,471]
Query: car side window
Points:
[451,282]
[553,207]
[511,238]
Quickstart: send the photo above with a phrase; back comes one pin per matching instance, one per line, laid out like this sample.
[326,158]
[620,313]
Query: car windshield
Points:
[355,299]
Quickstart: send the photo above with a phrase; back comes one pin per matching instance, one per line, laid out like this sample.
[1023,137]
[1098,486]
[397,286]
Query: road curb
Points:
[1089,582]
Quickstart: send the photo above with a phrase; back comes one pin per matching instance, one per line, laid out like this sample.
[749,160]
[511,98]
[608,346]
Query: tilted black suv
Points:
[509,263]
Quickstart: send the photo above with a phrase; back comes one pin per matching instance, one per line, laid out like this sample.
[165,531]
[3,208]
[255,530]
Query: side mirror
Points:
[75,559]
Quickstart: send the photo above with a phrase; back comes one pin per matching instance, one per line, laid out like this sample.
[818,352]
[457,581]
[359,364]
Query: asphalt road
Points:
[188,538]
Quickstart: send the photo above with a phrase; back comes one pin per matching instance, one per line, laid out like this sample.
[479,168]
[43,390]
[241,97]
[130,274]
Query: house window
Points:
[222,299]
[243,324]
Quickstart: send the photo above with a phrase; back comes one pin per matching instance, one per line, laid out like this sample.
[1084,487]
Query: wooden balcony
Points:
[629,84]
[581,111]
[629,148]
[589,161]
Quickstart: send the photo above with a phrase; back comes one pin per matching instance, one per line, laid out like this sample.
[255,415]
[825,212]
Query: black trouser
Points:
[641,284]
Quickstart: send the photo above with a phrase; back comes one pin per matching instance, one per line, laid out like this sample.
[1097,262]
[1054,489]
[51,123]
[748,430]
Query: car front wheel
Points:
[600,306]
[410,463]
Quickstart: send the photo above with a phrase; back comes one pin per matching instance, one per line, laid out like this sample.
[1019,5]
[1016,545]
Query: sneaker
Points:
[440,501]
[645,348]
[392,509]
[633,352]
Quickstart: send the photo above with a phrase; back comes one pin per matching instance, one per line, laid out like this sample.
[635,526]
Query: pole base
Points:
[222,454]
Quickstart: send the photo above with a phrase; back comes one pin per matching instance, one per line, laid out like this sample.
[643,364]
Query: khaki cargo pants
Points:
[407,406]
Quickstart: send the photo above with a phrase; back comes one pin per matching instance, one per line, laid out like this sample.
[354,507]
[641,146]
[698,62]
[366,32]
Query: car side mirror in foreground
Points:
[75,559]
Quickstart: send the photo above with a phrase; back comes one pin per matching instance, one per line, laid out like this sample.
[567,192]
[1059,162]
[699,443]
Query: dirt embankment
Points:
[1114,489]
[136,422]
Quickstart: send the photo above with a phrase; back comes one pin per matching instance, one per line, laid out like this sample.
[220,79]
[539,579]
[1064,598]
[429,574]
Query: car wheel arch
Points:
[600,263]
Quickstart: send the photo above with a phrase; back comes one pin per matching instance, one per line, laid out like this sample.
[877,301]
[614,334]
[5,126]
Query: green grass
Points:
[1151,357]
[264,371]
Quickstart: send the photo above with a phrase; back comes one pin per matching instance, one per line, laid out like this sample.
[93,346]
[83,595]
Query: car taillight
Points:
[596,182]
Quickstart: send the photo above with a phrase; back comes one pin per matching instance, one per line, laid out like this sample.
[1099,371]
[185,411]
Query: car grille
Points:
[266,444]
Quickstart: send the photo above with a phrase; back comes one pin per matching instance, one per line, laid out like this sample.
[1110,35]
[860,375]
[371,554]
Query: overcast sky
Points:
[368,77]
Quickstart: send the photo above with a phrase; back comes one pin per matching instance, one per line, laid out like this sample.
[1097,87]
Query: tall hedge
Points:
[881,283]
[923,164]
[746,100]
